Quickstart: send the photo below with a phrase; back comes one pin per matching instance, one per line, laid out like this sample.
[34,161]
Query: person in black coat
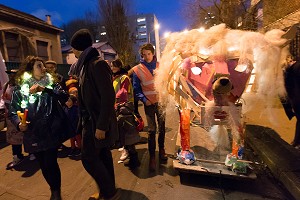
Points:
[96,99]
[292,102]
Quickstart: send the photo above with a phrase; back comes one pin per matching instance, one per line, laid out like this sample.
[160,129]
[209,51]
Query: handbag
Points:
[13,136]
[126,108]
[66,129]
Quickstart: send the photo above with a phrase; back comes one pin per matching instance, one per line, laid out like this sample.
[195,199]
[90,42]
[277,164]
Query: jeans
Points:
[151,111]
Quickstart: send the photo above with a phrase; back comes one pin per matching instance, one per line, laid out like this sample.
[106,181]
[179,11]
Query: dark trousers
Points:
[17,150]
[152,111]
[98,163]
[50,169]
[296,140]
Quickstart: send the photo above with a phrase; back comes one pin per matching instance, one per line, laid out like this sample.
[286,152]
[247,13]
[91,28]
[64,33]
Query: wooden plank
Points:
[213,169]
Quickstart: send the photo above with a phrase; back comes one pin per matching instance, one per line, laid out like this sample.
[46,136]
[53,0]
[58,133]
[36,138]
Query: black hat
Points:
[81,40]
[12,71]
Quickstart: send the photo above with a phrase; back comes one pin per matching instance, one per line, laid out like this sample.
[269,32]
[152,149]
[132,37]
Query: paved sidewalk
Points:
[270,139]
[25,182]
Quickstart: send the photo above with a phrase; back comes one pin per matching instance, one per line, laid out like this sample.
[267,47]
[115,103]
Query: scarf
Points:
[151,65]
[84,57]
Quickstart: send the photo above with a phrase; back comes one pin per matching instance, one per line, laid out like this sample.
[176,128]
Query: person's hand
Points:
[148,103]
[100,134]
[36,88]
[23,127]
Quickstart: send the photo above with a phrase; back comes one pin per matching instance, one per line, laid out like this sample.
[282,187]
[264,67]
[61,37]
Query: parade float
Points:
[205,74]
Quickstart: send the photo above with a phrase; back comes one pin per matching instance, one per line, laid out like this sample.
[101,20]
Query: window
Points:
[13,47]
[42,49]
[142,26]
[141,19]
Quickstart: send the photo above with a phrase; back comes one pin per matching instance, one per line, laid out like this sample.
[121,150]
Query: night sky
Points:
[168,12]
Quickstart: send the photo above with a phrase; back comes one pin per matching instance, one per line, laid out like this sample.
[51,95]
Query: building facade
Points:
[144,29]
[22,34]
[106,51]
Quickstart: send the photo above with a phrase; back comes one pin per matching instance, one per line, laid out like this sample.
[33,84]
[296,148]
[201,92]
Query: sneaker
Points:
[32,157]
[96,196]
[16,161]
[124,155]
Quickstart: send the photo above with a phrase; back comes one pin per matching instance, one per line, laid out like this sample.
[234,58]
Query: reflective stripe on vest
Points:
[147,82]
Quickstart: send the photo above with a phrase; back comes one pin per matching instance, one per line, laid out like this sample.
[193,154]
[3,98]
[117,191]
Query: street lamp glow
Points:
[156,26]
[167,34]
[201,29]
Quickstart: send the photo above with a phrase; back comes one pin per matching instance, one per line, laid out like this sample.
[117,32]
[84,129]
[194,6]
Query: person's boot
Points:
[55,195]
[162,154]
[134,161]
[151,148]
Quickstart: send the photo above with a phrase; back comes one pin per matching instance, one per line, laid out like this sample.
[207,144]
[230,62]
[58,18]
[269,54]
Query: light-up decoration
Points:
[31,99]
[26,76]
[23,104]
[25,89]
[196,70]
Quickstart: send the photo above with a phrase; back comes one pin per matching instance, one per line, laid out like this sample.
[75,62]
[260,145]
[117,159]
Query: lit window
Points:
[141,19]
[142,26]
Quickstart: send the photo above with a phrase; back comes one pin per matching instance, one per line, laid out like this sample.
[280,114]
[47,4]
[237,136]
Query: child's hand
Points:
[23,127]
[36,88]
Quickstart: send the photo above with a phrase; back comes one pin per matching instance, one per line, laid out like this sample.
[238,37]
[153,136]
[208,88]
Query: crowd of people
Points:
[95,108]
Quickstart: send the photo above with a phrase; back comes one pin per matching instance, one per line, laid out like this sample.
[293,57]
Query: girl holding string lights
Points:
[36,110]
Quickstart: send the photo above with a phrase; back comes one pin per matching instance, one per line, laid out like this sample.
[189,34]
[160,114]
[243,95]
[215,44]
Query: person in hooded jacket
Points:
[44,125]
[98,122]
[129,135]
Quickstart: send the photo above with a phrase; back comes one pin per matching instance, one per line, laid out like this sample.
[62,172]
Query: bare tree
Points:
[90,21]
[113,14]
[234,13]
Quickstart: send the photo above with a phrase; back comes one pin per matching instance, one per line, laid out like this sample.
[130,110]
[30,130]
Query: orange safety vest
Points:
[147,82]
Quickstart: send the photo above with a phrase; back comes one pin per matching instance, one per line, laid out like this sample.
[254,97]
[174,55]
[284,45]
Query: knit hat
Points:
[81,40]
[72,85]
[72,89]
